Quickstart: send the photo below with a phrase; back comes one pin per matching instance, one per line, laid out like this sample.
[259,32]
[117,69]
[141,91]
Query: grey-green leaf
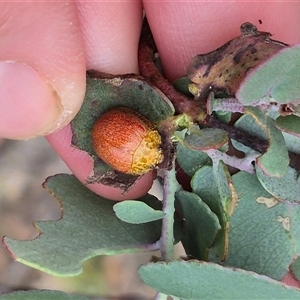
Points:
[286,187]
[276,159]
[211,184]
[136,212]
[200,224]
[264,231]
[204,139]
[275,80]
[289,124]
[88,227]
[194,280]
[191,160]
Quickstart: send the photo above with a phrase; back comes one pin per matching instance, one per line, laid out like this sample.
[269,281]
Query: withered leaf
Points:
[221,71]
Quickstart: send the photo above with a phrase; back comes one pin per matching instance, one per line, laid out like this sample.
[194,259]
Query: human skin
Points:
[55,43]
[49,46]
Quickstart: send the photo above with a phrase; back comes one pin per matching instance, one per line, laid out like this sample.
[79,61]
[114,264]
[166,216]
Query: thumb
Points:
[42,67]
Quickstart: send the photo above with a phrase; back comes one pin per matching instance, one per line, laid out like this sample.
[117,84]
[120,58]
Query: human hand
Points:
[61,40]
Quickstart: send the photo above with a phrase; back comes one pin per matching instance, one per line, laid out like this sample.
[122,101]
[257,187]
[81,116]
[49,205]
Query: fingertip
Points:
[290,280]
[44,89]
[111,32]
[183,30]
[141,187]
[29,106]
[81,164]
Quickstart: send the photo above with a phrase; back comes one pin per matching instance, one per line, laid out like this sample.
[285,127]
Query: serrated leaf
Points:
[286,187]
[212,186]
[263,237]
[88,227]
[276,159]
[289,124]
[136,212]
[191,160]
[204,139]
[40,295]
[200,224]
[275,80]
[103,92]
[195,280]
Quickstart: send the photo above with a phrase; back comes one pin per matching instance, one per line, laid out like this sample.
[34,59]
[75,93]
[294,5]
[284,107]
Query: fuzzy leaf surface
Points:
[289,124]
[88,227]
[206,138]
[211,184]
[276,159]
[191,160]
[194,280]
[264,232]
[136,212]
[200,224]
[275,80]
[256,123]
[286,187]
[247,123]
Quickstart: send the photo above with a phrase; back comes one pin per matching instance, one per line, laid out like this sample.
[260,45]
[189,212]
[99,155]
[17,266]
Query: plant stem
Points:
[167,235]
[149,71]
[243,164]
[183,104]
[251,141]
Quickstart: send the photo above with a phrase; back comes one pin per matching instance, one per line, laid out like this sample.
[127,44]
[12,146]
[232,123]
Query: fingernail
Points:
[29,106]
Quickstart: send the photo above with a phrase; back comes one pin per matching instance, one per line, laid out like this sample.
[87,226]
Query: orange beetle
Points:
[127,141]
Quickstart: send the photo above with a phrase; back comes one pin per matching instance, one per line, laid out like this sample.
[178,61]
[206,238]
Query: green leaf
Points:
[247,124]
[200,224]
[204,139]
[289,124]
[223,116]
[275,80]
[200,280]
[292,142]
[211,184]
[136,212]
[241,147]
[182,85]
[276,159]
[88,227]
[40,295]
[191,160]
[264,232]
[286,187]
[103,92]
[295,268]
